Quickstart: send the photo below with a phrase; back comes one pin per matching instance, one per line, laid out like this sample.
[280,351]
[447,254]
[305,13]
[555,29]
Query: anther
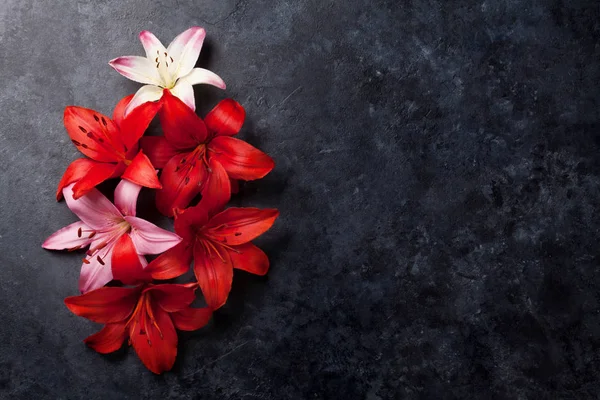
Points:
[74,248]
[91,235]
[157,65]
[100,260]
[156,60]
[82,129]
[79,232]
[86,261]
[165,53]
[171,59]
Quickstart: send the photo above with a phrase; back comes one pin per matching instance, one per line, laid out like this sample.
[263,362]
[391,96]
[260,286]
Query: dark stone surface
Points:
[437,176]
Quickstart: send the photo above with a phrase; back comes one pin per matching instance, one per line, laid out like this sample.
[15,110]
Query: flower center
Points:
[188,163]
[101,250]
[163,61]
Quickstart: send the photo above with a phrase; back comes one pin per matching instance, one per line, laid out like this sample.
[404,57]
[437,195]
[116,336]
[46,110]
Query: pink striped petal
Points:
[185,92]
[149,238]
[151,45]
[93,208]
[185,49]
[144,94]
[95,275]
[71,236]
[126,194]
[137,68]
[201,75]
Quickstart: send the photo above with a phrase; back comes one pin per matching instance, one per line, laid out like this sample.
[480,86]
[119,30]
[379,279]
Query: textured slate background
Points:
[437,176]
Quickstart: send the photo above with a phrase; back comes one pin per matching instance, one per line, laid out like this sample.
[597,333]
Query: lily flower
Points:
[193,151]
[117,239]
[111,145]
[169,68]
[147,314]
[218,243]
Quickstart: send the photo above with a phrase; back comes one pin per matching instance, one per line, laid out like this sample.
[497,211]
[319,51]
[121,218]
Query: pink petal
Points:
[126,194]
[149,238]
[95,275]
[144,94]
[185,49]
[201,75]
[139,69]
[76,234]
[151,44]
[94,209]
[184,91]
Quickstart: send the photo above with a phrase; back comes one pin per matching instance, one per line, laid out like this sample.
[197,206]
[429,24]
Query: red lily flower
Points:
[191,148]
[218,243]
[147,313]
[111,145]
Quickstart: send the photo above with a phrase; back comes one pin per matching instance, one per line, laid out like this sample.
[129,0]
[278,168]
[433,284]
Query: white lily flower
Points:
[171,68]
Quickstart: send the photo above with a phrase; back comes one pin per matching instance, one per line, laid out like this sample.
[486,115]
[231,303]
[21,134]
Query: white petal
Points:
[93,208]
[185,49]
[185,92]
[149,238]
[144,94]
[152,45]
[138,69]
[76,234]
[201,75]
[126,194]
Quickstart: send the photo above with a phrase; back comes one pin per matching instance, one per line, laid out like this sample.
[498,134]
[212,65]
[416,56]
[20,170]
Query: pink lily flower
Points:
[117,239]
[169,68]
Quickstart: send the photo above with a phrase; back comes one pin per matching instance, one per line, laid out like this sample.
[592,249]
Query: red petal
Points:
[226,119]
[217,190]
[119,112]
[126,266]
[240,160]
[188,221]
[214,274]
[142,172]
[181,183]
[75,171]
[109,339]
[135,124]
[156,348]
[105,305]
[96,175]
[180,124]
[249,258]
[172,263]
[172,297]
[158,150]
[236,226]
[94,134]
[190,319]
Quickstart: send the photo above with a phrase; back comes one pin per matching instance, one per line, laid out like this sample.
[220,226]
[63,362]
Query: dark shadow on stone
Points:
[206,96]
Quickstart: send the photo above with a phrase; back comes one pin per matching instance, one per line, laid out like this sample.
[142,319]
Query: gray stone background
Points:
[437,177]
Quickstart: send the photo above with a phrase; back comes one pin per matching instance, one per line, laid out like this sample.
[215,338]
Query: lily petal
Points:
[97,271]
[119,111]
[182,127]
[94,209]
[185,92]
[69,237]
[144,94]
[185,49]
[214,274]
[151,44]
[94,134]
[187,221]
[250,258]
[126,195]
[181,183]
[191,319]
[172,263]
[158,150]
[126,266]
[108,339]
[217,189]
[240,225]
[201,75]
[172,297]
[105,305]
[149,238]
[75,171]
[226,119]
[136,122]
[240,160]
[142,172]
[138,69]
[156,347]
[96,175]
